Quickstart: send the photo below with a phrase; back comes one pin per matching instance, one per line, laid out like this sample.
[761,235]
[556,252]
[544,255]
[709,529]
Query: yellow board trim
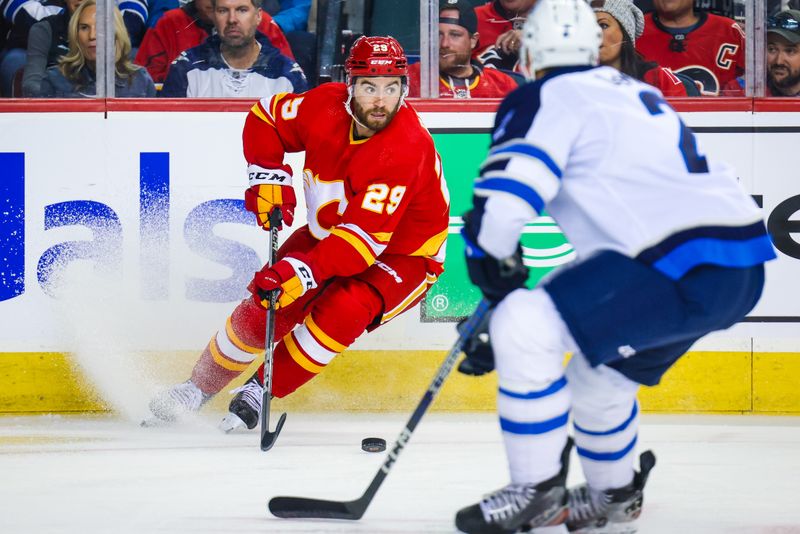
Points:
[256,109]
[330,343]
[238,343]
[432,245]
[357,244]
[701,382]
[300,358]
[223,361]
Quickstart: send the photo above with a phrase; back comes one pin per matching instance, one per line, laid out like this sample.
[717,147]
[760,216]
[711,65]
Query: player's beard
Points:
[789,80]
[376,125]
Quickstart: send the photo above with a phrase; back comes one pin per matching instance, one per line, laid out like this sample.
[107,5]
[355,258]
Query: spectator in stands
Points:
[622,23]
[460,76]
[186,27]
[19,16]
[500,27]
[16,19]
[47,43]
[237,61]
[783,54]
[705,47]
[75,77]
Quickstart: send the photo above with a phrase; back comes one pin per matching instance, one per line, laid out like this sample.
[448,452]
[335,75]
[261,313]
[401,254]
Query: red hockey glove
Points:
[269,188]
[292,277]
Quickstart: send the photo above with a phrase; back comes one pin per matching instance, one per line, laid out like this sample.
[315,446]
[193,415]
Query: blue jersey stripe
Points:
[615,430]
[542,427]
[507,185]
[555,387]
[653,254]
[725,253]
[12,8]
[607,456]
[531,151]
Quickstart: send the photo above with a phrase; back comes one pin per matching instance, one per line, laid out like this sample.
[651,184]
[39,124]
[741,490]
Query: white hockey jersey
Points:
[615,166]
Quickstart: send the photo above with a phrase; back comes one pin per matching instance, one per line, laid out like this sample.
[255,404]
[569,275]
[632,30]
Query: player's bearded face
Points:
[376,101]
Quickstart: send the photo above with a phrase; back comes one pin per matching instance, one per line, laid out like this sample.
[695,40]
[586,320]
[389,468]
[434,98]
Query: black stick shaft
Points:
[317,508]
[268,438]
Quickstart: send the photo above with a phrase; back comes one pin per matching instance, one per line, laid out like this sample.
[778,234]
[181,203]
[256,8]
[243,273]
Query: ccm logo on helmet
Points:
[381,62]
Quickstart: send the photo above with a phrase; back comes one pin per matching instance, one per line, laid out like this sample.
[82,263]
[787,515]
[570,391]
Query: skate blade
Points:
[557,529]
[630,527]
[230,423]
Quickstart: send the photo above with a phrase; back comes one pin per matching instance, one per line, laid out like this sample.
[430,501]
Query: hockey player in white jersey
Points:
[669,248]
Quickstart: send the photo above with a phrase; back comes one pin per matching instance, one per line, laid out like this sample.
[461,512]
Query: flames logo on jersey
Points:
[706,81]
[326,203]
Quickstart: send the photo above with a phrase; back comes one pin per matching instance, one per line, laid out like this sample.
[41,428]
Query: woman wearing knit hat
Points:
[622,22]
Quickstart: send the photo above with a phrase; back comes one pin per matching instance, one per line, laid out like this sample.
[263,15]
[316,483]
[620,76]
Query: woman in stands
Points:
[75,75]
[622,22]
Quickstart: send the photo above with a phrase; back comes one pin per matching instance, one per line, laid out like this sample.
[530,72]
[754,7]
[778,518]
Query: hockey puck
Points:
[373,444]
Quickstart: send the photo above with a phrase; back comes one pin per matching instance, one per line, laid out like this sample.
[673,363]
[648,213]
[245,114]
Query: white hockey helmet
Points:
[559,33]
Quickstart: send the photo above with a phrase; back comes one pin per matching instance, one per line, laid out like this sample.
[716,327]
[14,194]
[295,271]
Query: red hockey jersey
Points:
[484,83]
[711,52]
[493,21]
[180,29]
[365,197]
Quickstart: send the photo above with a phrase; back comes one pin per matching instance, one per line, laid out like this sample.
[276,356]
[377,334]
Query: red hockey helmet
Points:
[376,56]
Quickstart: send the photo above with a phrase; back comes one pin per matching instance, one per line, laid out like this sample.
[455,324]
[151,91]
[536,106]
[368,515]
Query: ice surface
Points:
[732,474]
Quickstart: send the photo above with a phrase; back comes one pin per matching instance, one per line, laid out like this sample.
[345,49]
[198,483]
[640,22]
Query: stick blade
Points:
[268,438]
[300,507]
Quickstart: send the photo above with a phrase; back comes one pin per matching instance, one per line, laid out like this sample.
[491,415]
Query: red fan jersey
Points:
[386,193]
[493,21]
[665,80]
[711,52]
[484,83]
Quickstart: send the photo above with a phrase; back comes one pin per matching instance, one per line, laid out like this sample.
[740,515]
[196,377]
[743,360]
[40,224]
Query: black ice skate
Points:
[611,511]
[245,407]
[536,508]
[175,402]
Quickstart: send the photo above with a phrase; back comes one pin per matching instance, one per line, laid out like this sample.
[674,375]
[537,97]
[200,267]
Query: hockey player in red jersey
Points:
[705,47]
[378,213]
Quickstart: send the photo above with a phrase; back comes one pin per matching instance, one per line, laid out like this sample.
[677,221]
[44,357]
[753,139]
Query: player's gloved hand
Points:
[478,354]
[268,189]
[495,277]
[291,277]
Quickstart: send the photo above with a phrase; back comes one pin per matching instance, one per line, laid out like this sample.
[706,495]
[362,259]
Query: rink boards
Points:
[125,245]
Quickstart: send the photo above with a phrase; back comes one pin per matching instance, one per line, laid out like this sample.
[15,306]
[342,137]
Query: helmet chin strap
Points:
[350,109]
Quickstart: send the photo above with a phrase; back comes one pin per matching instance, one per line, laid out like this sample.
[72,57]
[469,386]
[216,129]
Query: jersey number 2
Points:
[687,144]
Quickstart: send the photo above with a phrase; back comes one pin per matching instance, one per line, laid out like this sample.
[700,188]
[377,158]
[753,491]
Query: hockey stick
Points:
[268,438]
[288,507]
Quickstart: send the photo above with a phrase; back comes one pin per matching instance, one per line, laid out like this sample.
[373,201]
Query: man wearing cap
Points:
[706,47]
[460,76]
[783,54]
